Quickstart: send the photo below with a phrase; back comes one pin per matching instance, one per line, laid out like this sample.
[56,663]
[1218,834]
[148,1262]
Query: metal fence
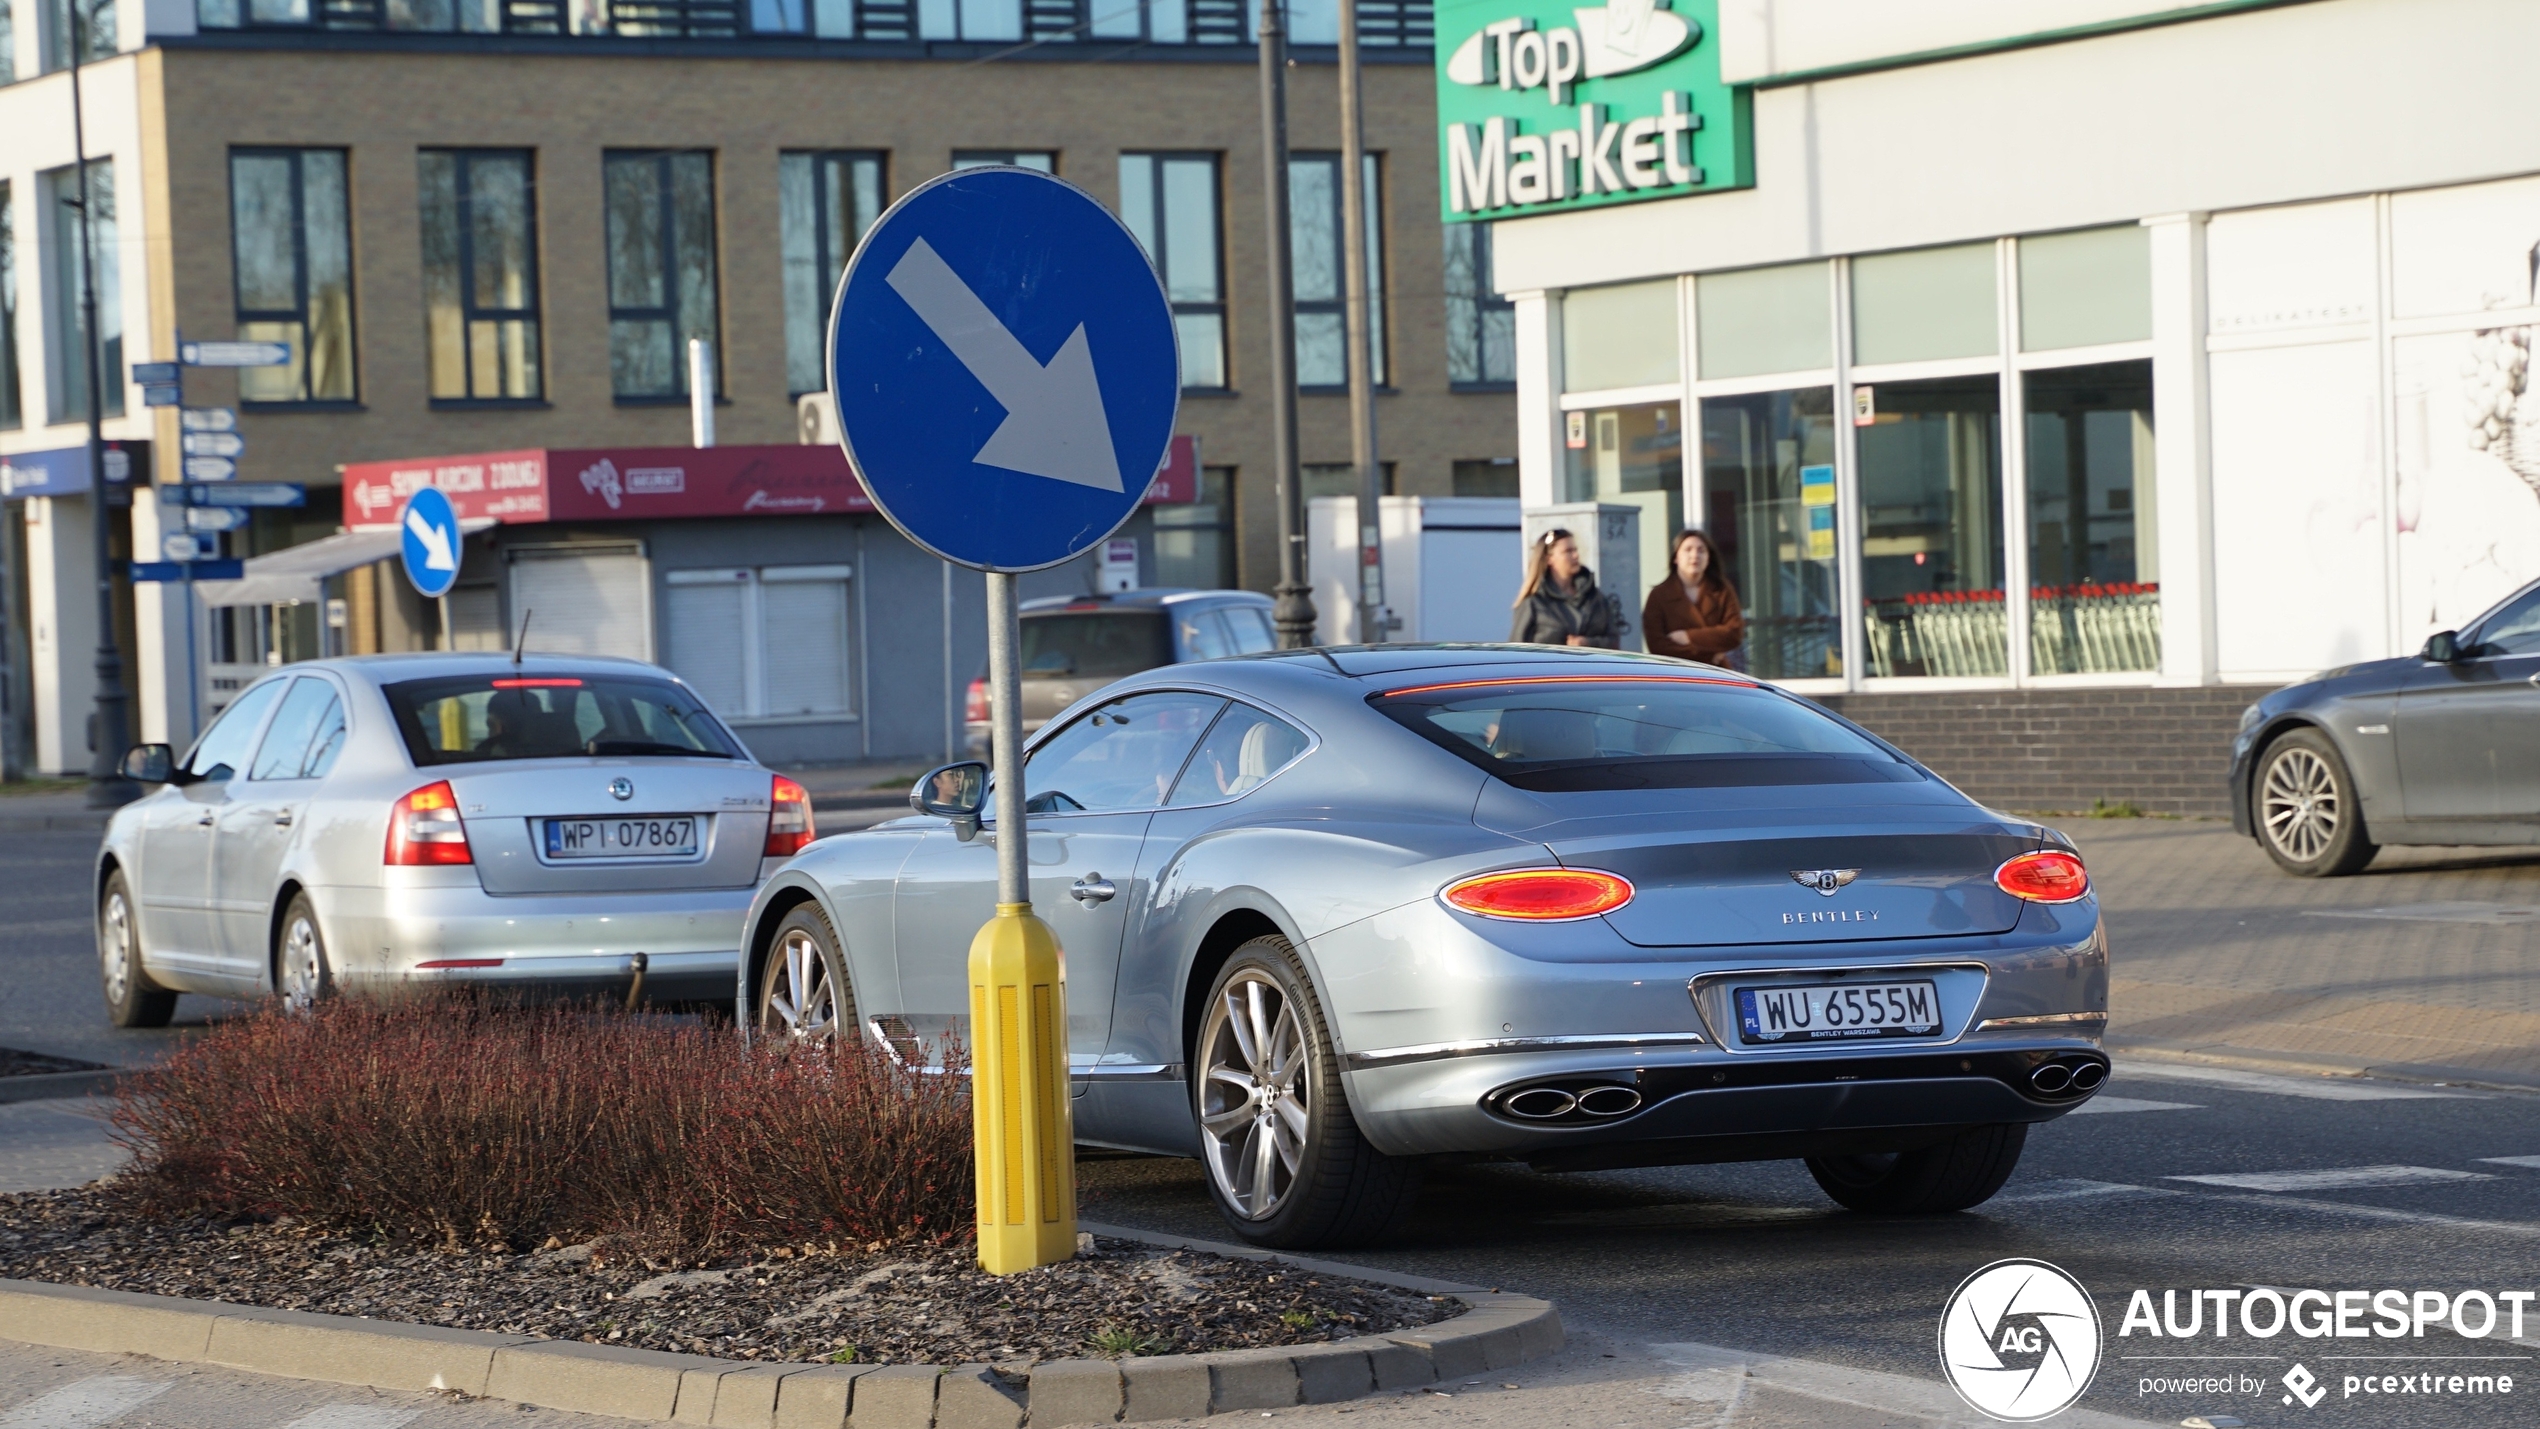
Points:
[2087,629]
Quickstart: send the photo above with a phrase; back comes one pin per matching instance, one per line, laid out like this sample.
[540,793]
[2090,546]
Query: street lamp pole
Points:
[1294,612]
[111,729]
[1362,354]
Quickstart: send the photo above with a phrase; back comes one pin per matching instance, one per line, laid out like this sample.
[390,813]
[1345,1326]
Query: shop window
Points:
[291,247]
[1931,528]
[480,274]
[1768,501]
[1041,159]
[1496,477]
[1195,543]
[793,655]
[661,269]
[1760,320]
[825,202]
[1926,304]
[60,188]
[1316,248]
[1481,326]
[12,413]
[1170,202]
[1623,336]
[1630,456]
[2086,288]
[74,31]
[2093,542]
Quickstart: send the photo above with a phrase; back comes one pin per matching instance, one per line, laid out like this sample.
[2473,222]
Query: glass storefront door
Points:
[1632,456]
[1768,497]
[2093,555]
[1931,528]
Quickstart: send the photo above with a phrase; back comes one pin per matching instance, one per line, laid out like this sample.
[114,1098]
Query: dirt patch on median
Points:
[842,1304]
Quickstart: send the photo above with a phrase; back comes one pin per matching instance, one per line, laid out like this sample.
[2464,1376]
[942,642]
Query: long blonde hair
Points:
[1538,561]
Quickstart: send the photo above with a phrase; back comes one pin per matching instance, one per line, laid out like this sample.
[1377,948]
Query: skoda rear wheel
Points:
[2308,815]
[804,996]
[132,1000]
[1963,1171]
[299,959]
[1286,1163]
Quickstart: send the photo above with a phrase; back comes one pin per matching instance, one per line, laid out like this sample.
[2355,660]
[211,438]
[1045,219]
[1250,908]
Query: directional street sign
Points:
[188,570]
[154,373]
[208,419]
[213,444]
[1006,368]
[241,493]
[214,518]
[161,394]
[431,545]
[182,546]
[233,354]
[210,468]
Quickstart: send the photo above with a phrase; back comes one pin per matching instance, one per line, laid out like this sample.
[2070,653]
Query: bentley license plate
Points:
[1840,1013]
[674,837]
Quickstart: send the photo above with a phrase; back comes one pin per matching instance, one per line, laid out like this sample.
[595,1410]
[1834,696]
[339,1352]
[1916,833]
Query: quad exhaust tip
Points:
[1551,1103]
[2055,1077]
[1609,1101]
[1541,1103]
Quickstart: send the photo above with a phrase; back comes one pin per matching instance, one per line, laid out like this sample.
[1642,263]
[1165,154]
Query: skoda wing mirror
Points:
[957,792]
[149,764]
[2443,647]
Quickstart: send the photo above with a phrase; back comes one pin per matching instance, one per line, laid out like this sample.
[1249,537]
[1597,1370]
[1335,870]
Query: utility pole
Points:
[1294,613]
[1362,356]
[111,728]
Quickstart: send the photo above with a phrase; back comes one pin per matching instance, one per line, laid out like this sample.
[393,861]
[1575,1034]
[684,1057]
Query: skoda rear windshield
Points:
[1575,734]
[1105,644]
[467,719]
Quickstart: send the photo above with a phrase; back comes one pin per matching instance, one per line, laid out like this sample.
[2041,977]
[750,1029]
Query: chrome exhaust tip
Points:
[1609,1101]
[1541,1103]
[2051,1078]
[2088,1075]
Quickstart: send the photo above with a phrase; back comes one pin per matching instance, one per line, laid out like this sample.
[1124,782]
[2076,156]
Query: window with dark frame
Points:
[825,201]
[1045,160]
[291,258]
[12,403]
[59,188]
[1316,246]
[661,257]
[1481,326]
[480,274]
[1195,543]
[1170,202]
[62,40]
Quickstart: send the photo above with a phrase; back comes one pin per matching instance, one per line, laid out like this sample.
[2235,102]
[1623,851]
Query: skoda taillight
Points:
[424,828]
[788,818]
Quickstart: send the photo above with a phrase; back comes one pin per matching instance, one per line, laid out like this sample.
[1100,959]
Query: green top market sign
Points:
[1543,109]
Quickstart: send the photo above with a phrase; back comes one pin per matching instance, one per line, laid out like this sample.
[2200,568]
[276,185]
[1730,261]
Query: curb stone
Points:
[1497,1332]
[52,1086]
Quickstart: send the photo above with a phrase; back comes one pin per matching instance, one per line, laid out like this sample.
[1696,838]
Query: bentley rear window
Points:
[1572,735]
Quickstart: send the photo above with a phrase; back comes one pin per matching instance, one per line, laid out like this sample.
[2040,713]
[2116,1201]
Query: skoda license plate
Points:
[622,837]
[1837,1014]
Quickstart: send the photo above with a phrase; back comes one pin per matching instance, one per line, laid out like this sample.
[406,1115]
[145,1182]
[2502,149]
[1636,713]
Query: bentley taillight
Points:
[424,828]
[2047,876]
[788,818]
[1540,895]
[974,708]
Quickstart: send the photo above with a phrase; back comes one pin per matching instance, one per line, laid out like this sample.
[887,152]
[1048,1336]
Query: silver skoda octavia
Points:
[390,821]
[1327,913]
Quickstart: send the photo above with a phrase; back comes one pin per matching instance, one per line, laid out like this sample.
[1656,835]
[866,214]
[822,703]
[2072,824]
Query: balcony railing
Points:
[1381,23]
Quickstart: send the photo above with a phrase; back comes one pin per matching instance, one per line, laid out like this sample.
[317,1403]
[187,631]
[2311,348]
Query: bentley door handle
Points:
[1091,889]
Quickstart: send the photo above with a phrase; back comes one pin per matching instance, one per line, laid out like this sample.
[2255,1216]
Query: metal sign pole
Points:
[1005,703]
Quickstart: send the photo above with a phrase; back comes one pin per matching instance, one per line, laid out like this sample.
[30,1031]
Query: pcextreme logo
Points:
[2019,1340]
[1545,108]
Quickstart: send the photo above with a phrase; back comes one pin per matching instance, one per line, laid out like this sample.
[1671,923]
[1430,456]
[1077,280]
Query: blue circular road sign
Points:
[431,544]
[1005,368]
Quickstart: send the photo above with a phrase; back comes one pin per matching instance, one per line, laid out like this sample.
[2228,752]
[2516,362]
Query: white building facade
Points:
[2054,343]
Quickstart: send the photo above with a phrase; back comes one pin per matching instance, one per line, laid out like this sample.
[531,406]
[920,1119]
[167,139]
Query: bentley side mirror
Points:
[149,764]
[957,792]
[2443,647]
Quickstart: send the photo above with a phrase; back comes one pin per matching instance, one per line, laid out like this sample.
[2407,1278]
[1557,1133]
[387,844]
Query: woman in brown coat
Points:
[1693,614]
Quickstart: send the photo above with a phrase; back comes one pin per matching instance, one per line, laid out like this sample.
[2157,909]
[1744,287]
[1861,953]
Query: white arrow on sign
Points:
[1054,424]
[213,444]
[209,419]
[437,555]
[234,354]
[210,468]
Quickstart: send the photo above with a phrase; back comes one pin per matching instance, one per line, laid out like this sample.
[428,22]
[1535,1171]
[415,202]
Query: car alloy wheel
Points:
[114,945]
[300,959]
[2299,804]
[1256,1093]
[803,995]
[132,1000]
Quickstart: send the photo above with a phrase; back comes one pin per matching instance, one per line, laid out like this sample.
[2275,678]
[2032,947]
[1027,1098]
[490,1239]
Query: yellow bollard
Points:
[1021,1123]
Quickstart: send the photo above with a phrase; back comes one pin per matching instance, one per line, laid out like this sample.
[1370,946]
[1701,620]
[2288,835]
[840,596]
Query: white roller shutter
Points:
[585,600]
[803,620]
[706,628]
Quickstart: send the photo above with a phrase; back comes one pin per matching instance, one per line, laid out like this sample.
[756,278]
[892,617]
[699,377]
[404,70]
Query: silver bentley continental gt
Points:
[560,824]
[1329,913]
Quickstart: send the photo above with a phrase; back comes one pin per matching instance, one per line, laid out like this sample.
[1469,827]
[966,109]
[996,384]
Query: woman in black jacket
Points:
[1559,604]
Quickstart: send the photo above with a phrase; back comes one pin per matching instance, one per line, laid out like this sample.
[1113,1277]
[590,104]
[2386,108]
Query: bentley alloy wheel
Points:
[803,992]
[2306,810]
[1286,1163]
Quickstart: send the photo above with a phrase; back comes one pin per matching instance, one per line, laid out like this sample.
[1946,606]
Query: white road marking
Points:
[2335,1180]
[2389,1213]
[1720,1377]
[2075,1190]
[84,1404]
[355,1416]
[2327,1089]
[2131,1104]
[2531,1161]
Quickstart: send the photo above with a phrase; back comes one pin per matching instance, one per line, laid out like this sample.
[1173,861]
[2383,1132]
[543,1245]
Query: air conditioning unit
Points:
[816,419]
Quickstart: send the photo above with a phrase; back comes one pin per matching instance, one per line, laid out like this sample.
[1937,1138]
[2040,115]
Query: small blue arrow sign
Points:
[1006,369]
[233,354]
[213,444]
[432,542]
[214,518]
[161,394]
[188,570]
[208,419]
[210,468]
[247,493]
[152,374]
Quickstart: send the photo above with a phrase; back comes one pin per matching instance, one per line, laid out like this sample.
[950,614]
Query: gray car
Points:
[1329,913]
[1074,645]
[2439,747]
[395,821]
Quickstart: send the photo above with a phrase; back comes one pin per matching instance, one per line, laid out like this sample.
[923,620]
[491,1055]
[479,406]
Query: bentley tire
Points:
[301,974]
[1963,1171]
[1286,1162]
[804,995]
[2308,816]
[132,1000]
